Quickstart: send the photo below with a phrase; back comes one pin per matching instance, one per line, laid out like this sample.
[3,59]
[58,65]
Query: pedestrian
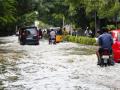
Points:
[86,33]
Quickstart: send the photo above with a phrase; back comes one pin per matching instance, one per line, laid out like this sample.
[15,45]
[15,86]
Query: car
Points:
[28,35]
[116,45]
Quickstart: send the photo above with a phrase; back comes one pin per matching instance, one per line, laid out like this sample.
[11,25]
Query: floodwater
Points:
[65,66]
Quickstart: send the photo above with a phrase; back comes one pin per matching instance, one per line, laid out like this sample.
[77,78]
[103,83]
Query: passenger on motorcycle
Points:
[104,41]
[52,36]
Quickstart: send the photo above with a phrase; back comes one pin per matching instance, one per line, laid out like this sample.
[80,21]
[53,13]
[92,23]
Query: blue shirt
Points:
[105,40]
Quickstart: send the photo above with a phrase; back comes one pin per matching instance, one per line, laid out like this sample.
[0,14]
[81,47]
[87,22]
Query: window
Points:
[31,31]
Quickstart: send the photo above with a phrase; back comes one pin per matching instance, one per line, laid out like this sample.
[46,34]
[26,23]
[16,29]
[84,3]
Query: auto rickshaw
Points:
[59,36]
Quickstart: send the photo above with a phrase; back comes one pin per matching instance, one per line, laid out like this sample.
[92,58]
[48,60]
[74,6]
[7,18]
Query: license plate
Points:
[105,56]
[29,38]
[105,60]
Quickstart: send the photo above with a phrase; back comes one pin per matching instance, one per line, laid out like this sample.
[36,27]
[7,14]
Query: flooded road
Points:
[65,66]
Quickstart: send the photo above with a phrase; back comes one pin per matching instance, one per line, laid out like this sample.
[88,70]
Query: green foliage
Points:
[80,39]
[7,16]
[109,9]
[27,19]
[52,11]
[43,25]
[26,12]
[25,6]
[7,12]
[79,13]
[111,27]
[104,8]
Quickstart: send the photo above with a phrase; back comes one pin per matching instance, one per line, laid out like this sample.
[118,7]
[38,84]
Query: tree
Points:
[7,14]
[52,11]
[102,9]
[26,12]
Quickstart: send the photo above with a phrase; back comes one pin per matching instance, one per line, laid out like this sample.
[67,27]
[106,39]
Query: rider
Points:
[40,33]
[105,41]
[52,36]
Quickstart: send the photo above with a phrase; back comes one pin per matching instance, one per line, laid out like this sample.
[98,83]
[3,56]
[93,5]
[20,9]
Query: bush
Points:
[80,39]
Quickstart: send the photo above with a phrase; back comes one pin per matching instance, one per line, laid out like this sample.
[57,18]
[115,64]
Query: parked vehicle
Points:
[59,36]
[116,45]
[29,35]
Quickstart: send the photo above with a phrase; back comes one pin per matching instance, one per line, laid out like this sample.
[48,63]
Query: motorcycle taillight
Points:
[23,33]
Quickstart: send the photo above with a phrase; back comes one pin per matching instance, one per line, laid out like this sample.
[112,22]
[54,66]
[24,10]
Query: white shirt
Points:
[52,34]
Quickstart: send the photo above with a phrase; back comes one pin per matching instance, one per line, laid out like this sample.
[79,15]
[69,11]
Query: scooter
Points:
[52,41]
[106,58]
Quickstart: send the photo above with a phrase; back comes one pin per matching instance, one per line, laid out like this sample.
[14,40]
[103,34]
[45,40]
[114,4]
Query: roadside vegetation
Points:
[80,39]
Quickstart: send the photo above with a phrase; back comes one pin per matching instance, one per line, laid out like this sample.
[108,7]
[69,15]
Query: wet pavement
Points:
[65,66]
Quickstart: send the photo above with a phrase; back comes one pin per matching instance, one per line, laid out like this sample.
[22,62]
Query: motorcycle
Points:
[106,58]
[52,41]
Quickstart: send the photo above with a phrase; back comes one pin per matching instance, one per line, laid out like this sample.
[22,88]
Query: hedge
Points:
[80,39]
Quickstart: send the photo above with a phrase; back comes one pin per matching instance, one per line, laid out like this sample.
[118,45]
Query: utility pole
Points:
[95,23]
[95,14]
[116,21]
[63,21]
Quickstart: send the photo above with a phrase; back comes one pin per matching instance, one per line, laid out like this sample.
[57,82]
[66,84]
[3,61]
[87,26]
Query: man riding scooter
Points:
[52,37]
[105,41]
